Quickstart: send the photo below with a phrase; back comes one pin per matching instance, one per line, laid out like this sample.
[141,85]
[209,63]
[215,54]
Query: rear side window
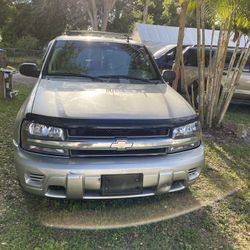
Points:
[228,59]
[190,57]
[247,67]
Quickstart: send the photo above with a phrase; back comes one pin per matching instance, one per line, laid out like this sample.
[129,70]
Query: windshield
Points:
[101,59]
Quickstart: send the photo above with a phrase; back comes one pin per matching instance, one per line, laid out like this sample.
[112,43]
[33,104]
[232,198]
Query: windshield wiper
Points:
[77,75]
[130,78]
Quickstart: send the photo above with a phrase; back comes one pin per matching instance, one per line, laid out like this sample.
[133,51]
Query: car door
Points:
[243,90]
[190,65]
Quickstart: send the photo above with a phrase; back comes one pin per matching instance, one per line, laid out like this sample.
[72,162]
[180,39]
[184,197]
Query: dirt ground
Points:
[19,79]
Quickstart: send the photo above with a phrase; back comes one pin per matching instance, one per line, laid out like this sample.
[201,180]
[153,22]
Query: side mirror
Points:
[29,69]
[168,75]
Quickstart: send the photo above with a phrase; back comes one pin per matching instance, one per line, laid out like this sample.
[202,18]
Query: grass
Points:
[240,115]
[213,214]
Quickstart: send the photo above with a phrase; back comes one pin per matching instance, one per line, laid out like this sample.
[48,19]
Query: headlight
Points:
[186,137]
[189,130]
[30,132]
[43,131]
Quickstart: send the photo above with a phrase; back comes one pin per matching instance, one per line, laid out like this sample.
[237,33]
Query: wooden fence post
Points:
[3,64]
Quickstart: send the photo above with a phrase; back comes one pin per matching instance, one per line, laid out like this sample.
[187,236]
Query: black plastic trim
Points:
[110,123]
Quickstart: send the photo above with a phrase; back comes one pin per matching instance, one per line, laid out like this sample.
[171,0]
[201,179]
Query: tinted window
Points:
[190,57]
[247,66]
[101,59]
[166,61]
[228,59]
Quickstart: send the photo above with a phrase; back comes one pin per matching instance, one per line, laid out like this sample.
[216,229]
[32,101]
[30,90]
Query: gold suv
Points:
[165,59]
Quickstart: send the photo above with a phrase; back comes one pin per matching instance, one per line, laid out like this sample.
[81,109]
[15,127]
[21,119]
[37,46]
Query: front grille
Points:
[110,153]
[118,133]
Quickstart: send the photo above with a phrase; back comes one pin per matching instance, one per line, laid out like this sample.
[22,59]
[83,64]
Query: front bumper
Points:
[80,178]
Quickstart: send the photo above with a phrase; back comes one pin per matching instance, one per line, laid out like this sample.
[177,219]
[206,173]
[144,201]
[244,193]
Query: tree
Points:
[27,42]
[216,90]
[200,55]
[18,23]
[76,15]
[4,12]
[48,19]
[170,13]
[215,96]
[182,23]
[99,13]
[143,10]
[32,20]
[122,17]
[156,10]
[108,5]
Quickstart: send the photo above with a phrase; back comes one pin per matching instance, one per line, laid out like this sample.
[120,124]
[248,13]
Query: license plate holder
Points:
[122,184]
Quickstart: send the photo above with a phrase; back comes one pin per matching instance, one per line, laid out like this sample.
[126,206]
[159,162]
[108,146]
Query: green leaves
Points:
[221,11]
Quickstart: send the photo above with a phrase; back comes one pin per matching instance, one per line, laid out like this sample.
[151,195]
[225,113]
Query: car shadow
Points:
[105,214]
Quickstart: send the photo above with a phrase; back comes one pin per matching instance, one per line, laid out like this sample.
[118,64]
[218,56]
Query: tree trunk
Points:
[183,82]
[145,11]
[211,83]
[179,49]
[229,76]
[108,5]
[209,86]
[218,69]
[234,83]
[92,12]
[200,56]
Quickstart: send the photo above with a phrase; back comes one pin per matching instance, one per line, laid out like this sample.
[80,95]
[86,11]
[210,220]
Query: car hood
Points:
[77,99]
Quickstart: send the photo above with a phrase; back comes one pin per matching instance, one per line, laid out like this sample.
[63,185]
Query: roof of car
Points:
[94,38]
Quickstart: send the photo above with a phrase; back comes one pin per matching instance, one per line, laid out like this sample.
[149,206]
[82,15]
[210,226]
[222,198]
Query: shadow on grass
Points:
[106,214]
[233,165]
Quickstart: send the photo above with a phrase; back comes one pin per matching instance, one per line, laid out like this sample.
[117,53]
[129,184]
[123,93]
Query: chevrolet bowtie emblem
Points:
[122,145]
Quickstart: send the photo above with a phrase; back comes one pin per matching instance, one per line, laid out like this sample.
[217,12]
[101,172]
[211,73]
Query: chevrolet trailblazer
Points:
[103,123]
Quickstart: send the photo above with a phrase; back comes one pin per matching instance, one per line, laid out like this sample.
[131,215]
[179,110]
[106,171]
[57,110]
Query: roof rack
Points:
[97,33]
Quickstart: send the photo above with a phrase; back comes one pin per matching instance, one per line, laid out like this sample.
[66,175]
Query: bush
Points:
[27,42]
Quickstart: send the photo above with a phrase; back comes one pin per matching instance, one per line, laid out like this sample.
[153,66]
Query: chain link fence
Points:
[17,56]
